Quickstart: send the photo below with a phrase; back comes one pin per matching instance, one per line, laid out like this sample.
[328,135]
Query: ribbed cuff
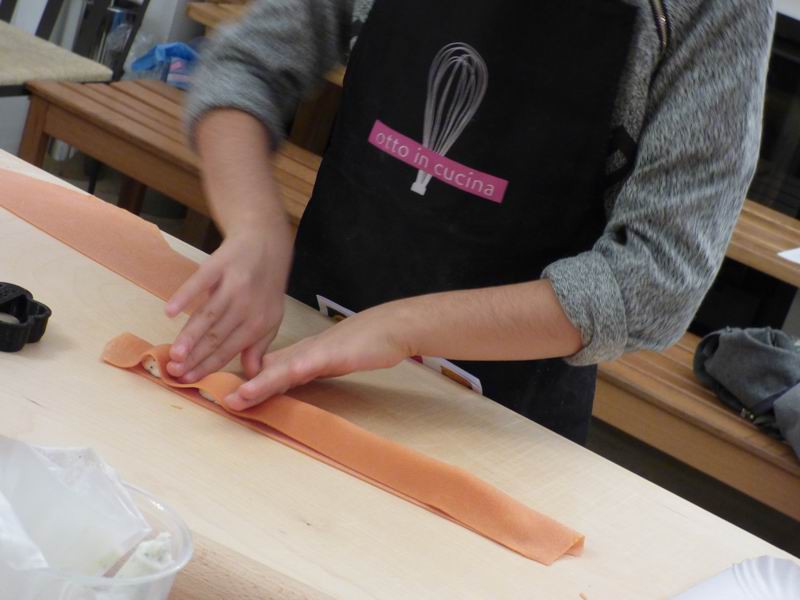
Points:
[212,90]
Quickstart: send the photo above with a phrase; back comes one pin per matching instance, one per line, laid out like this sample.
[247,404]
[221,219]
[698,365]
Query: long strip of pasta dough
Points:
[437,486]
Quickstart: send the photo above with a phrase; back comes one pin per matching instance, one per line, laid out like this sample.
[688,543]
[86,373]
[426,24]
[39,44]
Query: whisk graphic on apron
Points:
[456,85]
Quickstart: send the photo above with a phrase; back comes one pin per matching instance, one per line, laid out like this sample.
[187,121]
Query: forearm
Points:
[236,165]
[513,322]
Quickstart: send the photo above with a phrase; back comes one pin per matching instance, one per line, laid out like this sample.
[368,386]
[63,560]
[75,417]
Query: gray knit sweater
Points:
[691,100]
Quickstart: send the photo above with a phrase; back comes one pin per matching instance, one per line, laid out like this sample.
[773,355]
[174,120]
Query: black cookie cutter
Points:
[32,316]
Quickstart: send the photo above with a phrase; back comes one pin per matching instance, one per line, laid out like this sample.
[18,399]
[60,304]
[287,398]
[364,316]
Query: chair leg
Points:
[131,195]
[49,17]
[34,139]
[7,10]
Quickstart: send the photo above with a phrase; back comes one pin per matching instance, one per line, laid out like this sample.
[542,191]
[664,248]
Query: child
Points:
[508,184]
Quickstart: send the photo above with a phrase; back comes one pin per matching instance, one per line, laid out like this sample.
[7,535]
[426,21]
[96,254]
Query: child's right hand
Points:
[245,281]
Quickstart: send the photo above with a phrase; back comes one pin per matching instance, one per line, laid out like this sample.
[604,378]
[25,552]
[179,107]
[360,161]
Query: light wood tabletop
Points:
[271,522]
[25,57]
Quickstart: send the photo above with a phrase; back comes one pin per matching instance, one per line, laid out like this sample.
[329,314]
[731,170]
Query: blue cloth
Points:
[173,62]
[162,54]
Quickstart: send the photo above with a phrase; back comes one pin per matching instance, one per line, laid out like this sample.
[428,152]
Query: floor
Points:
[606,441]
[695,486]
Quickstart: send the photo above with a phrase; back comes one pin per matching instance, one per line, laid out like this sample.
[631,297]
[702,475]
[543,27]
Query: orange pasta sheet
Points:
[115,238]
[441,488]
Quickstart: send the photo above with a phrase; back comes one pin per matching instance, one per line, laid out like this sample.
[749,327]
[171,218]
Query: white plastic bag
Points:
[17,550]
[64,507]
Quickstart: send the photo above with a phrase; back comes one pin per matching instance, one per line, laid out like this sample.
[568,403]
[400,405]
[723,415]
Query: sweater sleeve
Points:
[666,236]
[270,60]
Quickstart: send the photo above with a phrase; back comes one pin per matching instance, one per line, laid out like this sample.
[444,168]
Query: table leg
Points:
[34,139]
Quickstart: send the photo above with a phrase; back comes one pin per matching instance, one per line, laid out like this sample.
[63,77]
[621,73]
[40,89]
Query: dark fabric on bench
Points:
[755,372]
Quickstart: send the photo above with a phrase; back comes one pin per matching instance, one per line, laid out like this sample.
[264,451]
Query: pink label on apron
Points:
[405,149]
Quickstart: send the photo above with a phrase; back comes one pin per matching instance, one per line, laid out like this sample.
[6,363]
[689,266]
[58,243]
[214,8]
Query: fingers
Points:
[202,281]
[252,357]
[222,355]
[211,343]
[282,371]
[196,327]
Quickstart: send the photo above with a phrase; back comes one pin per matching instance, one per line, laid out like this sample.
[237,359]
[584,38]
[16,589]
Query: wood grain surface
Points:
[270,522]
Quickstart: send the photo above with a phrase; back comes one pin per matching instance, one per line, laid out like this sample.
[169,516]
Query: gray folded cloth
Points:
[755,372]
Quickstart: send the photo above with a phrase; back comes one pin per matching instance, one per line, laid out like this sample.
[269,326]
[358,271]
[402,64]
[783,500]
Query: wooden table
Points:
[271,522]
[24,57]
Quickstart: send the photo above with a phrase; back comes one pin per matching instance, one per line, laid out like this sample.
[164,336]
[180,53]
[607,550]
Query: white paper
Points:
[454,372]
[764,578]
[791,255]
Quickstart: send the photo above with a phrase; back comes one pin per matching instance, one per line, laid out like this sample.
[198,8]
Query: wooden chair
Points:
[94,21]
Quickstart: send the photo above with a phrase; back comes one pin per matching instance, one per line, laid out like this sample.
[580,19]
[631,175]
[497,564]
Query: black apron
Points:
[469,152]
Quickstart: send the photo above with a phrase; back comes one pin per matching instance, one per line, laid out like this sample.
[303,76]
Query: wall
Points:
[790,8]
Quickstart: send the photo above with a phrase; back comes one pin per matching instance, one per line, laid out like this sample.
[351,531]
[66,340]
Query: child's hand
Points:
[245,280]
[368,340]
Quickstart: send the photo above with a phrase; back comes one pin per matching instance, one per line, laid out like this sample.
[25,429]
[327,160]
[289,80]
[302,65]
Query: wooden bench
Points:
[760,235]
[135,127]
[656,399]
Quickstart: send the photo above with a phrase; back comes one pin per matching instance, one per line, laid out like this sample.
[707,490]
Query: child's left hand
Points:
[366,341]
